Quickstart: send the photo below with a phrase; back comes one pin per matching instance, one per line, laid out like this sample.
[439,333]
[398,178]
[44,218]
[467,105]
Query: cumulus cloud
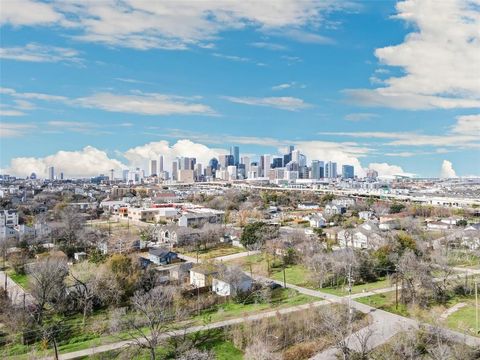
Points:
[385,169]
[140,155]
[170,24]
[280,102]
[439,60]
[447,170]
[87,162]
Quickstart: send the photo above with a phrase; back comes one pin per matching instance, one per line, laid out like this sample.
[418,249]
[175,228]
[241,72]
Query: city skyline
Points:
[372,85]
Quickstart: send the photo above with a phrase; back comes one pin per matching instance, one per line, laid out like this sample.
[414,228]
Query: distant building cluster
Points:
[287,168]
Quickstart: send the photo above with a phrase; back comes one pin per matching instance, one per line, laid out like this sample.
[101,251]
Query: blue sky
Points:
[91,86]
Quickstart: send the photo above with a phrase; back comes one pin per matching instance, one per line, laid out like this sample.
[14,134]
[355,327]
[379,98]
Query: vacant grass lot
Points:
[217,251]
[281,298]
[299,275]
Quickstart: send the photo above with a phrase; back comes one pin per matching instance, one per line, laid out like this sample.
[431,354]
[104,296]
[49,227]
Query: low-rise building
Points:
[161,256]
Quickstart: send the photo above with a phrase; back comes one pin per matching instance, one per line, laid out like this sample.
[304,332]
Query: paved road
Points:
[16,293]
[384,324]
[237,256]
[220,324]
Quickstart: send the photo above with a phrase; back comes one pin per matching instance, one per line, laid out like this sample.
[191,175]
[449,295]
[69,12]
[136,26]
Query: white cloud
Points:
[135,102]
[281,102]
[221,138]
[144,103]
[40,53]
[467,124]
[140,155]
[238,59]
[439,60]
[269,46]
[28,12]
[10,112]
[170,24]
[289,85]
[29,95]
[307,37]
[463,134]
[13,129]
[447,170]
[385,169]
[83,163]
[360,116]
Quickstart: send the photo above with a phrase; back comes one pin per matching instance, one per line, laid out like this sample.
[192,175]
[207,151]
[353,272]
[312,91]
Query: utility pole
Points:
[476,306]
[396,288]
[350,298]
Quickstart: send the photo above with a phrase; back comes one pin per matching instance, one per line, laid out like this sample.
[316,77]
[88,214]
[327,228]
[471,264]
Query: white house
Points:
[232,286]
[366,215]
[471,237]
[201,276]
[316,220]
[331,209]
[361,237]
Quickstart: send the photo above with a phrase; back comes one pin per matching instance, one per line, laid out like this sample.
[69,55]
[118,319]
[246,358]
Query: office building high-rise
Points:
[277,162]
[225,161]
[317,171]
[160,164]
[235,152]
[348,172]
[184,163]
[295,156]
[51,173]
[175,170]
[331,170]
[246,161]
[153,168]
[213,163]
[265,165]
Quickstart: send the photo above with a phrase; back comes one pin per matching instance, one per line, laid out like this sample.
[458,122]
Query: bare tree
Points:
[153,312]
[260,350]
[84,289]
[47,282]
[337,321]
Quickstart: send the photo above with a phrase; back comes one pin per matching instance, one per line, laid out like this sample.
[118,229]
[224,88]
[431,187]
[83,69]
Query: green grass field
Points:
[281,298]
[20,279]
[215,252]
[356,289]
[464,319]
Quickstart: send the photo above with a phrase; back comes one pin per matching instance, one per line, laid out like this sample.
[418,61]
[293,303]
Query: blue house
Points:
[162,256]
